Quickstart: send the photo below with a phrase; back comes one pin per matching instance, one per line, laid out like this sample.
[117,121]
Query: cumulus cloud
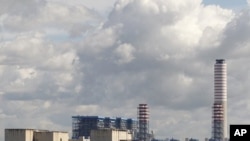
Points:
[49,17]
[13,7]
[125,53]
[58,57]
[164,69]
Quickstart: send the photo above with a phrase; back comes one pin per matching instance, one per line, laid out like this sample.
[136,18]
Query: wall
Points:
[43,136]
[35,135]
[51,136]
[19,134]
[110,135]
[100,135]
[80,139]
[60,136]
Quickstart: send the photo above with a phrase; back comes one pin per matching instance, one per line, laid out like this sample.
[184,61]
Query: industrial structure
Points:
[191,139]
[35,135]
[143,122]
[82,125]
[219,118]
[111,135]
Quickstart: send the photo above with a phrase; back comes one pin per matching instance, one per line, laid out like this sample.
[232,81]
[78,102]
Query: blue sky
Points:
[227,3]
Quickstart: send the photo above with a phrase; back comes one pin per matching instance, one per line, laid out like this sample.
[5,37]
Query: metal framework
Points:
[82,125]
[218,122]
[143,119]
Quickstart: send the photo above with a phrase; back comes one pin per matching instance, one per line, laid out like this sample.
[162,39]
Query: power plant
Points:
[219,118]
[97,128]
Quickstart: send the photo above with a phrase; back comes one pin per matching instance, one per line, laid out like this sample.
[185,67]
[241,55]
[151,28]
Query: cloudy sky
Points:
[90,57]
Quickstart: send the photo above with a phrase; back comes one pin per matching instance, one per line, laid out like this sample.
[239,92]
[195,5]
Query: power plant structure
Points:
[83,125]
[143,122]
[97,128]
[219,118]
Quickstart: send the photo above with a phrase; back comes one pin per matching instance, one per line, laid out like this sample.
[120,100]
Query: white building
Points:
[35,135]
[110,135]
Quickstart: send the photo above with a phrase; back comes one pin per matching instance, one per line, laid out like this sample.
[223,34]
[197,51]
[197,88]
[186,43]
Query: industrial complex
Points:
[97,128]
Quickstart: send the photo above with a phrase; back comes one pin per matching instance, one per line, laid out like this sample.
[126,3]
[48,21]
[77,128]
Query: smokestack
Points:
[219,129]
[143,120]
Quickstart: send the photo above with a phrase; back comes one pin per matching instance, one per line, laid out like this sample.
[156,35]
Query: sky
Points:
[61,58]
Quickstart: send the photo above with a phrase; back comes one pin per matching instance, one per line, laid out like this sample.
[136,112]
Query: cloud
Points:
[31,64]
[65,59]
[48,17]
[165,69]
[13,7]
[124,53]
[103,7]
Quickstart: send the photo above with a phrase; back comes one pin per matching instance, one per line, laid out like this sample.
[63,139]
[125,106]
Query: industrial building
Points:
[143,120]
[174,139]
[50,136]
[80,139]
[167,139]
[219,118]
[35,135]
[19,134]
[82,125]
[111,135]
[191,139]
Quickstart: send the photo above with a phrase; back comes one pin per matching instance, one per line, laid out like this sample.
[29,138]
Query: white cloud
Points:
[74,19]
[89,109]
[27,73]
[101,6]
[100,40]
[59,59]
[124,53]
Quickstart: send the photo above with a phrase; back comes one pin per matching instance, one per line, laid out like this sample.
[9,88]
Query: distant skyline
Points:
[60,58]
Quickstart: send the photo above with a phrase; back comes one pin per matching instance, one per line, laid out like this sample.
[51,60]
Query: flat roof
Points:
[35,130]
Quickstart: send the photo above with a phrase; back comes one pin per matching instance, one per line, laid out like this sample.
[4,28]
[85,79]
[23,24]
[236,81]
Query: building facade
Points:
[18,134]
[80,139]
[110,135]
[191,139]
[35,135]
[50,136]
